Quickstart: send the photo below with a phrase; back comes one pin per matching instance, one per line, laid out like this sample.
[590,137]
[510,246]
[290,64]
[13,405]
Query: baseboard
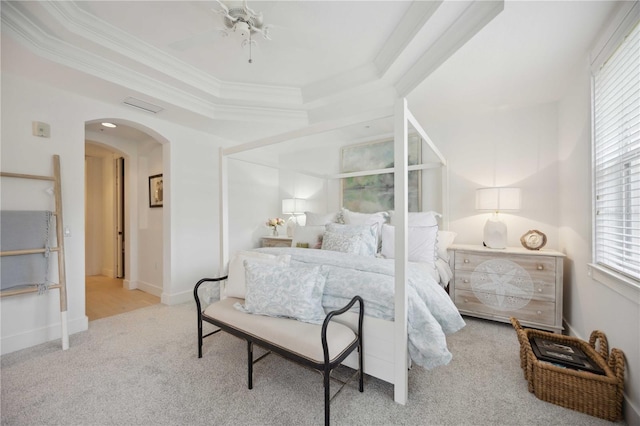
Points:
[177,298]
[149,288]
[108,273]
[631,411]
[129,285]
[37,336]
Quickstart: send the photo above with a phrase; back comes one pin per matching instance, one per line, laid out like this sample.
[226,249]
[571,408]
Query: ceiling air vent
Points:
[145,106]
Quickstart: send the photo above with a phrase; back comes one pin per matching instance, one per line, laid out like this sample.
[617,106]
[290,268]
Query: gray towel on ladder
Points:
[23,230]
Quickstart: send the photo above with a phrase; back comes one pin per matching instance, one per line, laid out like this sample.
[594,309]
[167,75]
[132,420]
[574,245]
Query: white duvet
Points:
[431,313]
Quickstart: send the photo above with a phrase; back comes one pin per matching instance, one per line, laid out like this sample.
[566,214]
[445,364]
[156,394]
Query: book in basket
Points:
[563,355]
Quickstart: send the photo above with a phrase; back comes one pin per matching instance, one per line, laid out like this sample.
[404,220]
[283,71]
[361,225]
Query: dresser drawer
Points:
[538,267]
[493,306]
[537,288]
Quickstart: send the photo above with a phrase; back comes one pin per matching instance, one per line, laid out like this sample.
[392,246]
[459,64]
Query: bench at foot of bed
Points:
[319,346]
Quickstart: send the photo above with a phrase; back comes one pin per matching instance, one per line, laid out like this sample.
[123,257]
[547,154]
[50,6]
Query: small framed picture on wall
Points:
[155,191]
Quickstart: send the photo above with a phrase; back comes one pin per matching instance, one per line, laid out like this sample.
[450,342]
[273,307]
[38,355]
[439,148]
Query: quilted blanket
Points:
[431,313]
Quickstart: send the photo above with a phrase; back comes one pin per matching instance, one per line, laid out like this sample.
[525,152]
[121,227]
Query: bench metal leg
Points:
[199,337]
[250,363]
[327,401]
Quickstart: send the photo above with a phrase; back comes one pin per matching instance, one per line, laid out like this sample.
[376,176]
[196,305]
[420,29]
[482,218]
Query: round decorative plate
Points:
[533,240]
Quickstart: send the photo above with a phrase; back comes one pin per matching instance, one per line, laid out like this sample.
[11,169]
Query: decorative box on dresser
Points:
[496,284]
[275,241]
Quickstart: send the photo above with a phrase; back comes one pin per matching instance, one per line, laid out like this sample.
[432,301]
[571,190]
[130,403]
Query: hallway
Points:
[106,297]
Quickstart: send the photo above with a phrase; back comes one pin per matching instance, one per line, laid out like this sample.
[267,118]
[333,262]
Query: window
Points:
[616,152]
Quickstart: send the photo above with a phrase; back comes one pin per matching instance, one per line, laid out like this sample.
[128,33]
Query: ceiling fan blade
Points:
[198,39]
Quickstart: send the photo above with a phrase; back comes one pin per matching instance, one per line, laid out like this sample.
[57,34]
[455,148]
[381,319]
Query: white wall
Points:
[150,237]
[589,304]
[190,218]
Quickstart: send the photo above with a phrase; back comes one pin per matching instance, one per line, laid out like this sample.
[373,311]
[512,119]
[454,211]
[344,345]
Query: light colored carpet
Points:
[141,368]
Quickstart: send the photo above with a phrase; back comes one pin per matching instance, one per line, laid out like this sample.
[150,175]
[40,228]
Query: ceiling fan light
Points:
[242,28]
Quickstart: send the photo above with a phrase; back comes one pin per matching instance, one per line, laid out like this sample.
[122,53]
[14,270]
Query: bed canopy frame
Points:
[402,119]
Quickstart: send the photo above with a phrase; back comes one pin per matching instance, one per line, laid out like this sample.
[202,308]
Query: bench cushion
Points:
[294,336]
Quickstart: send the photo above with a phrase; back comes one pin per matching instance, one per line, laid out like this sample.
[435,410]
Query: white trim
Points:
[624,286]
[321,127]
[401,207]
[472,20]
[414,19]
[88,26]
[44,45]
[626,18]
[154,289]
[47,333]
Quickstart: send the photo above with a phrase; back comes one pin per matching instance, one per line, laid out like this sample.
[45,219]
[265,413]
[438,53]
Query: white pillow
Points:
[283,291]
[445,239]
[368,235]
[421,244]
[342,242]
[354,218]
[311,235]
[236,286]
[316,219]
[429,218]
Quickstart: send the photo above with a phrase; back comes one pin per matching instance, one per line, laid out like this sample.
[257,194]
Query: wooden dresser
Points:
[499,283]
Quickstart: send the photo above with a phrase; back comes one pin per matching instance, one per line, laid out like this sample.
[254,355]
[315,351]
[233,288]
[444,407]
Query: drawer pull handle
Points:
[540,267]
[466,261]
[539,290]
[539,312]
[466,300]
[465,281]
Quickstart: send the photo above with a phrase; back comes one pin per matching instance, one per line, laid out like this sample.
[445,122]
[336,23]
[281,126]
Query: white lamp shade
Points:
[293,206]
[498,199]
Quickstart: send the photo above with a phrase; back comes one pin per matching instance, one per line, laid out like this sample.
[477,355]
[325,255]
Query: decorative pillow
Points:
[342,242]
[429,218]
[283,291]
[236,286]
[317,219]
[421,244]
[445,239]
[310,235]
[368,235]
[354,218]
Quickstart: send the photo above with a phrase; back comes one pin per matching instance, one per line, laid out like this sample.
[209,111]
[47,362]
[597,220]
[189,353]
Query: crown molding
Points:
[472,20]
[26,32]
[89,27]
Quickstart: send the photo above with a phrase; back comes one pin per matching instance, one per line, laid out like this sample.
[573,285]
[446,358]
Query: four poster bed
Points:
[407,312]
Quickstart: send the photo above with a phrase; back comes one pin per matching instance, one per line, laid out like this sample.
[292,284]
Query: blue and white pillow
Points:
[341,242]
[283,291]
[368,235]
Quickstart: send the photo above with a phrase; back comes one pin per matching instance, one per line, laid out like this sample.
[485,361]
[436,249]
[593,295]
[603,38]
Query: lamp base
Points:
[292,222]
[495,233]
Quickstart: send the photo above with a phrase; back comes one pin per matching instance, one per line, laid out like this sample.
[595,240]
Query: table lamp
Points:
[497,200]
[293,207]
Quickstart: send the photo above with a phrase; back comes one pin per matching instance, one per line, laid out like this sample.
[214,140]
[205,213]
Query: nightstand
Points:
[275,241]
[499,283]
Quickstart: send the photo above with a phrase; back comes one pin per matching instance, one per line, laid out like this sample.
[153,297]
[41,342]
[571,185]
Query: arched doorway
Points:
[119,223]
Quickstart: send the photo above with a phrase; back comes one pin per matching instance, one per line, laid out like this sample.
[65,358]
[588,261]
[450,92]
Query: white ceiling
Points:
[326,59]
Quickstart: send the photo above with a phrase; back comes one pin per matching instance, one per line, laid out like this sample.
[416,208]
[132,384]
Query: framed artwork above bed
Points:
[374,193]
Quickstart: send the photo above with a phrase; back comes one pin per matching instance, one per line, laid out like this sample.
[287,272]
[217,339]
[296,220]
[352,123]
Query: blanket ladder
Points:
[59,249]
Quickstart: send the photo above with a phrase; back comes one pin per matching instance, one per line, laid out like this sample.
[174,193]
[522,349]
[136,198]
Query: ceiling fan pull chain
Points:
[250,60]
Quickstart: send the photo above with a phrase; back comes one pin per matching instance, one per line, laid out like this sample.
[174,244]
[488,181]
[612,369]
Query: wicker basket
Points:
[593,394]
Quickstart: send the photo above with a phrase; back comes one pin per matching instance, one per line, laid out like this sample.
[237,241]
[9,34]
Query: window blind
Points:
[616,99]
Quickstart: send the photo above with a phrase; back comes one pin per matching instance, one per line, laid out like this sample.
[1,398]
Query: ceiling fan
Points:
[243,20]
[239,19]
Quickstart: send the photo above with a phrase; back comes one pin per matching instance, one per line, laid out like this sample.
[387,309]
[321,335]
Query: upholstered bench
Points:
[319,346]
